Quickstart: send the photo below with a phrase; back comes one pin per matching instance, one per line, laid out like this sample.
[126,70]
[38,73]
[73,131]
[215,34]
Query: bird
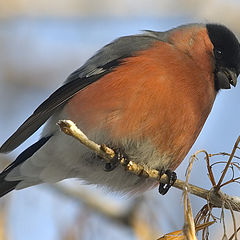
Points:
[147,95]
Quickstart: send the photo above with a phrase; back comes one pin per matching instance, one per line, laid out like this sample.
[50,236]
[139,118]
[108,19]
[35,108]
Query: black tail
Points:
[7,186]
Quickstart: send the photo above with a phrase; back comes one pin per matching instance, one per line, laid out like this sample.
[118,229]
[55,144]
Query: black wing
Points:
[97,66]
[45,110]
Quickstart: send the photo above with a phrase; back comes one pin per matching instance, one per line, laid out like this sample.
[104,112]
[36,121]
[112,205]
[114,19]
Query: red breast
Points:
[161,95]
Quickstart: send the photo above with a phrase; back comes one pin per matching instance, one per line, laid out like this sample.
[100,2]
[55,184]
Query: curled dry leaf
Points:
[179,235]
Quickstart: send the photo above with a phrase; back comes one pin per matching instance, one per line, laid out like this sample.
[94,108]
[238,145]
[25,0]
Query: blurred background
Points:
[41,43]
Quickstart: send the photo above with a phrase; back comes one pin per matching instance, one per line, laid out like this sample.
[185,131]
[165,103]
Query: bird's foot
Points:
[120,156]
[172,177]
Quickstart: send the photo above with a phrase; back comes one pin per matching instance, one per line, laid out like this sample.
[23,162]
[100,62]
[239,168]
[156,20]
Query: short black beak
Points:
[232,77]
[226,77]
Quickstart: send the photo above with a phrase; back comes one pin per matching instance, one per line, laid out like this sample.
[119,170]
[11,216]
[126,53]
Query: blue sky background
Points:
[37,56]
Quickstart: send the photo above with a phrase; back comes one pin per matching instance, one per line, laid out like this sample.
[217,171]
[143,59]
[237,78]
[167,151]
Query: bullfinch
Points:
[148,95]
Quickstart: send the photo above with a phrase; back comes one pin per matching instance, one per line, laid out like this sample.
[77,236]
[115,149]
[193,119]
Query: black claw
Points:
[119,155]
[172,177]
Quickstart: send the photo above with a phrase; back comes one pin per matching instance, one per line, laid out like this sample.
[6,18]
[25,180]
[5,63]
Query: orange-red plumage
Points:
[145,98]
[148,95]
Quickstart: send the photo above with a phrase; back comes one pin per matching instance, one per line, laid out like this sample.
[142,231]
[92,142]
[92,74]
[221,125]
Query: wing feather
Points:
[103,62]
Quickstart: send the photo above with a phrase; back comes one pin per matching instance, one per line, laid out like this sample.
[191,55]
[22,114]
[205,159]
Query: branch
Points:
[99,204]
[216,197]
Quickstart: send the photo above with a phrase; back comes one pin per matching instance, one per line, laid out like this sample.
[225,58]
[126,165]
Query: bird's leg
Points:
[172,177]
[120,156]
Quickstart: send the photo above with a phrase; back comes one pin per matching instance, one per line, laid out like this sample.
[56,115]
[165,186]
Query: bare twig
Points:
[211,176]
[228,163]
[109,209]
[214,195]
[234,234]
[221,154]
[127,216]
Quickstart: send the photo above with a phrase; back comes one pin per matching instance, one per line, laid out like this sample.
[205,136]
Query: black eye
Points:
[218,54]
